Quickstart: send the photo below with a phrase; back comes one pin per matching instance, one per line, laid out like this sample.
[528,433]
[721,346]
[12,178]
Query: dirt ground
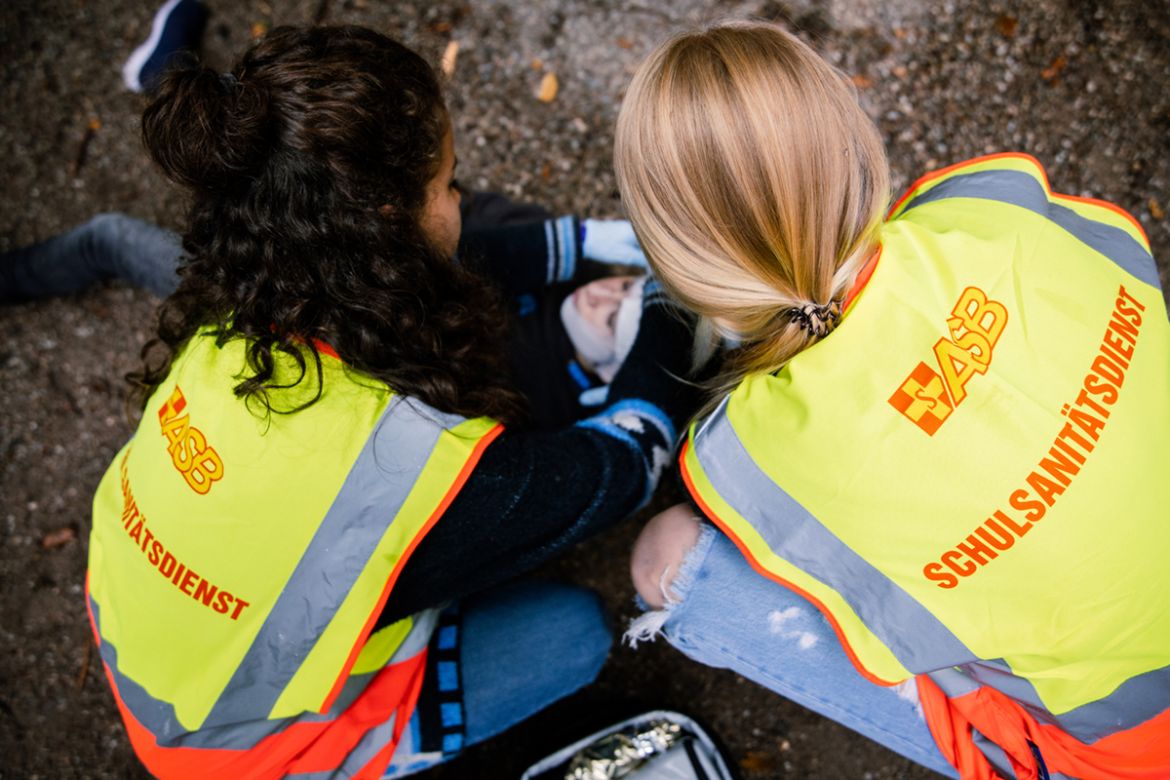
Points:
[1081,85]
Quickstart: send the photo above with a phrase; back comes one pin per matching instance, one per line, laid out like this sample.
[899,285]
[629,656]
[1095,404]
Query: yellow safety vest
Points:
[968,476]
[239,561]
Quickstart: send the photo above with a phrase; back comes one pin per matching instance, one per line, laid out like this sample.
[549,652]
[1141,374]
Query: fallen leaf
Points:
[1156,210]
[440,28]
[625,42]
[91,127]
[861,81]
[900,71]
[258,29]
[900,32]
[1052,71]
[548,88]
[83,675]
[536,63]
[58,538]
[546,172]
[1007,25]
[759,761]
[447,63]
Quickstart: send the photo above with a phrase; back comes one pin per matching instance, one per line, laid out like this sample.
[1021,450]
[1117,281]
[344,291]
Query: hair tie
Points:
[815,318]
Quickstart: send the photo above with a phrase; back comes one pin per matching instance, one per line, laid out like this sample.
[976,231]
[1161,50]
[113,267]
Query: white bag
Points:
[656,745]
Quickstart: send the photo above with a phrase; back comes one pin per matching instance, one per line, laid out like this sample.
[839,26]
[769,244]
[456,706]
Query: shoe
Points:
[178,26]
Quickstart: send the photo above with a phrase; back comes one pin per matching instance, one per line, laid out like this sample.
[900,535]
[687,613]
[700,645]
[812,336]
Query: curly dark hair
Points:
[308,167]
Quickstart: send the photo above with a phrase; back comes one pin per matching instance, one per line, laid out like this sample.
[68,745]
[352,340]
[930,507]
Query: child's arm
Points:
[533,495]
[525,258]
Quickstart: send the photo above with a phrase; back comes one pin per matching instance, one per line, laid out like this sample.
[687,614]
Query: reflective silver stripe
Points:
[371,743]
[1134,702]
[953,681]
[915,636]
[380,480]
[550,242]
[970,677]
[422,626]
[568,249]
[1021,189]
[995,754]
[158,716]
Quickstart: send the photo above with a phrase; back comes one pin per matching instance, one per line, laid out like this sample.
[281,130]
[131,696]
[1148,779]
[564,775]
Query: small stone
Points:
[447,63]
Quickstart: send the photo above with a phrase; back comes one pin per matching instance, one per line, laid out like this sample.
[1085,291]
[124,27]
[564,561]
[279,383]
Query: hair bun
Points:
[205,129]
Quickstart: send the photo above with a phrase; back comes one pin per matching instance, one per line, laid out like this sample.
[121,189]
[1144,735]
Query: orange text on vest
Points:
[199,464]
[927,397]
[158,556]
[1086,417]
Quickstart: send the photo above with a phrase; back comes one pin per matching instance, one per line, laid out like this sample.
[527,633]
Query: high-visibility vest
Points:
[968,476]
[239,561]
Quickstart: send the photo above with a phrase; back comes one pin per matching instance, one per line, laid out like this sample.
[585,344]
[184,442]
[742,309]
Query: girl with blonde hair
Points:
[923,424]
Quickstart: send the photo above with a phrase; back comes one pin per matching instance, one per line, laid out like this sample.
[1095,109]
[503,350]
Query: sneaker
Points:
[178,26]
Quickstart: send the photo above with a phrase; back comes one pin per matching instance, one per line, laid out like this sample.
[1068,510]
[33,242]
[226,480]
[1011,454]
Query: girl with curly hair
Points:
[294,561]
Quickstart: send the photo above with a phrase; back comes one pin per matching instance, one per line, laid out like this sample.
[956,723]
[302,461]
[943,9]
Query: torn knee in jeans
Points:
[657,566]
[659,552]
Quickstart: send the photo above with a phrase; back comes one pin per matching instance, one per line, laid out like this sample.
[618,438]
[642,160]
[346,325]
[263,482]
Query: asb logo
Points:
[198,462]
[923,398]
[927,397]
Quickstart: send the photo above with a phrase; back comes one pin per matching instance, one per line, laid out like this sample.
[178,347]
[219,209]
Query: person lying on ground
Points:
[574,322]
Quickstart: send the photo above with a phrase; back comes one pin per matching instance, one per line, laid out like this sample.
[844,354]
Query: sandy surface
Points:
[1080,85]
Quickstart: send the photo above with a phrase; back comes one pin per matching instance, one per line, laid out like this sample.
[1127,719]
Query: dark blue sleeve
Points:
[532,496]
[535,494]
[527,257]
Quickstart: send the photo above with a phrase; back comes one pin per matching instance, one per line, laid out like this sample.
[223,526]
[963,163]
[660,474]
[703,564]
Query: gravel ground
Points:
[1079,84]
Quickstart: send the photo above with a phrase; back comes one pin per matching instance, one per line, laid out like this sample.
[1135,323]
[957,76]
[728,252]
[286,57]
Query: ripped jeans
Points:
[728,616]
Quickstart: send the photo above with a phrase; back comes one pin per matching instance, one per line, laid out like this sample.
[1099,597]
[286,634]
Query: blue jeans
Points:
[521,647]
[728,616]
[109,246]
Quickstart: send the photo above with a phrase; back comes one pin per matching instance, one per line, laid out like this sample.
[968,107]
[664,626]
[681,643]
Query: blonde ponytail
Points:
[756,185]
